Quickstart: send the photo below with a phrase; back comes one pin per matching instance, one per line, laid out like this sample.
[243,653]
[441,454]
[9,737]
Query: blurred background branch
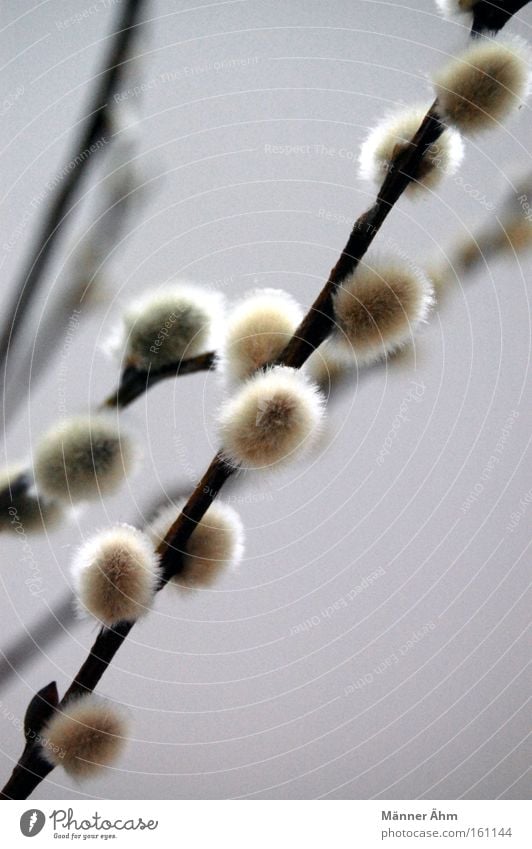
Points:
[97,128]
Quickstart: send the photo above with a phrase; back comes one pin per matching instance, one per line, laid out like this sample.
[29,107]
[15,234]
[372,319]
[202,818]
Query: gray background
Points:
[228,696]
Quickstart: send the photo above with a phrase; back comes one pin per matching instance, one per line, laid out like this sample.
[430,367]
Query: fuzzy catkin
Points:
[275,416]
[378,307]
[115,575]
[87,734]
[393,136]
[480,88]
[258,330]
[216,543]
[176,323]
[82,458]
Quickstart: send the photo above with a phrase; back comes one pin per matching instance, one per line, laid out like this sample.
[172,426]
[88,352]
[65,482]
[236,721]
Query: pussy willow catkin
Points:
[258,329]
[216,544]
[273,418]
[85,735]
[393,135]
[82,458]
[115,575]
[278,412]
[379,307]
[484,85]
[175,323]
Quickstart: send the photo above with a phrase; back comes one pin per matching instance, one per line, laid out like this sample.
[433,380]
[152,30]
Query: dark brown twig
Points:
[313,330]
[318,322]
[135,382]
[493,15]
[59,619]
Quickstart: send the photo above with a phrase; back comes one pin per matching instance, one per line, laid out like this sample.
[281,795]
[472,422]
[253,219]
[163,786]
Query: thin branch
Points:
[492,16]
[59,208]
[318,322]
[15,656]
[135,382]
[59,619]
[82,271]
[313,330]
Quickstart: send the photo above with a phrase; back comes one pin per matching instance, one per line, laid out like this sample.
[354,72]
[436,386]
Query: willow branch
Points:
[135,382]
[493,15]
[17,654]
[312,331]
[57,620]
[33,274]
[318,322]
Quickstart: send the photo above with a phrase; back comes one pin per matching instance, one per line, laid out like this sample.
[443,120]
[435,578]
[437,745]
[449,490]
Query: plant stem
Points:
[41,634]
[318,322]
[134,382]
[33,274]
[31,768]
[28,773]
[312,331]
[493,15]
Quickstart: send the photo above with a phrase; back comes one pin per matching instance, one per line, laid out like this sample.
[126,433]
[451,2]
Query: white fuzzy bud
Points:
[176,323]
[378,308]
[82,458]
[21,508]
[115,575]
[272,419]
[480,88]
[216,543]
[258,330]
[393,135]
[85,735]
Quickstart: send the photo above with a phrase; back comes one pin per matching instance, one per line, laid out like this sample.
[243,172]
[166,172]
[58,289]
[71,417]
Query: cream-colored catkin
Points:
[378,308]
[84,736]
[512,237]
[274,417]
[393,135]
[480,88]
[115,575]
[82,458]
[216,544]
[257,331]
